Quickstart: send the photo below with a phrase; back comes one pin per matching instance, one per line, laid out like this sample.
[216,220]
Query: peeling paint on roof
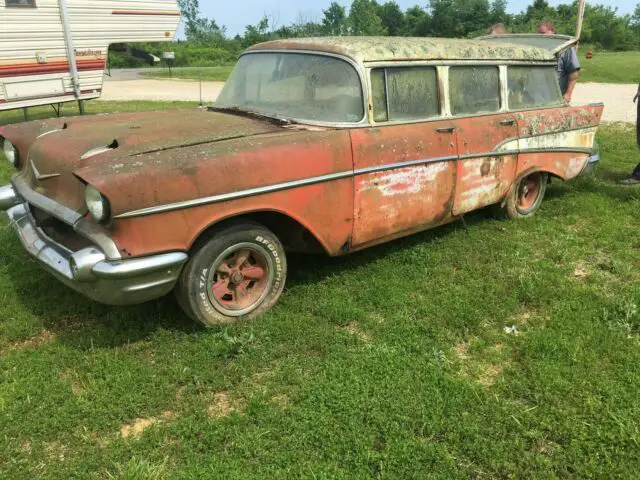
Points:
[377,49]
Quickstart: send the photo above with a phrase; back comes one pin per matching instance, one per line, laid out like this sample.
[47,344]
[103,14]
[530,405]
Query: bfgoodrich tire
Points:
[239,273]
[526,196]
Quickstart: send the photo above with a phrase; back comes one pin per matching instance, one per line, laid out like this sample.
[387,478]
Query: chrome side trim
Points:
[235,195]
[335,176]
[395,166]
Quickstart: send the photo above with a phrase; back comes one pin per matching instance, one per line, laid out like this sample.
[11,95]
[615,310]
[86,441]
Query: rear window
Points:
[474,90]
[405,93]
[532,87]
[20,3]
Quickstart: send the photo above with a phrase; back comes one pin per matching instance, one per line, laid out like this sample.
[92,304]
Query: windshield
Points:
[297,86]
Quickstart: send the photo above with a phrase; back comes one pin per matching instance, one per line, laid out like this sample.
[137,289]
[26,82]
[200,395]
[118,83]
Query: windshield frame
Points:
[303,121]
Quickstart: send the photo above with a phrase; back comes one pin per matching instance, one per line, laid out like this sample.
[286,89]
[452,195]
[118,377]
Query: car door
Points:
[405,166]
[485,171]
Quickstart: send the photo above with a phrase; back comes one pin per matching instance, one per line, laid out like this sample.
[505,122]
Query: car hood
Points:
[59,148]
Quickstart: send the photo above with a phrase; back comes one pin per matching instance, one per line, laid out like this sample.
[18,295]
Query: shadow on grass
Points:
[84,324]
[603,183]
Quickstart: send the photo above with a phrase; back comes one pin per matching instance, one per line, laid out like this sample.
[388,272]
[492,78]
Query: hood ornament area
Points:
[39,176]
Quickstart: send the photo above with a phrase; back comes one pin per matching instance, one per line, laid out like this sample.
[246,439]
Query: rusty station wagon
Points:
[320,144]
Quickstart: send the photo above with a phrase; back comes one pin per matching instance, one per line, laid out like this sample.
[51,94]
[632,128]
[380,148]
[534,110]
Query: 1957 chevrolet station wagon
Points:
[329,144]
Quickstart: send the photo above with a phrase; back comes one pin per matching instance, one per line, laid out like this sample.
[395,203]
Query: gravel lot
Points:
[617,98]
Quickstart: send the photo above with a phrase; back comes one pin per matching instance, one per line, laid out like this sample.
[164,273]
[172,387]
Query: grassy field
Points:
[623,67]
[213,74]
[604,67]
[508,350]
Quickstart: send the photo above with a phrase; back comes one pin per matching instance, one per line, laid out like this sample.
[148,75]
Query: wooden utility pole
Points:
[581,6]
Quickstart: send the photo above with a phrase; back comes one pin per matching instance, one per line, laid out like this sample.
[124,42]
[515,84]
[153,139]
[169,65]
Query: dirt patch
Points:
[474,367]
[281,401]
[488,374]
[222,406]
[26,446]
[581,270]
[43,337]
[461,351]
[55,451]
[136,428]
[353,329]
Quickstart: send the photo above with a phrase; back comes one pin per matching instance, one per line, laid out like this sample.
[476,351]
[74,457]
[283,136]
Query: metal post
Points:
[71,54]
[580,19]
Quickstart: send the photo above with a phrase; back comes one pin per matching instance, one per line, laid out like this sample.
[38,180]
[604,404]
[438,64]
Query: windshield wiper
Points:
[251,114]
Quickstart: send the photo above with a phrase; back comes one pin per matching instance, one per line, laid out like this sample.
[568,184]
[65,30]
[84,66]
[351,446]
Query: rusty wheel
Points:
[238,273]
[527,195]
[239,279]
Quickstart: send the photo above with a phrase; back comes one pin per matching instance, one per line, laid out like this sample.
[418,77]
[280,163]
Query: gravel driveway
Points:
[617,98]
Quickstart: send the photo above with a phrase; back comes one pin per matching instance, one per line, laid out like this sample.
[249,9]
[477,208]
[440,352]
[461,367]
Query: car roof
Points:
[381,49]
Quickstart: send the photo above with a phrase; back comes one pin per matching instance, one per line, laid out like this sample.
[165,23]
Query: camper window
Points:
[20,3]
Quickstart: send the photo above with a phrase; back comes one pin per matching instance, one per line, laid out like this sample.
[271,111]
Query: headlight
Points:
[10,152]
[97,204]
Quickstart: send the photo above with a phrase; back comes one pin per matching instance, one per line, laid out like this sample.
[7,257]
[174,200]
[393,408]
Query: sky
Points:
[236,14]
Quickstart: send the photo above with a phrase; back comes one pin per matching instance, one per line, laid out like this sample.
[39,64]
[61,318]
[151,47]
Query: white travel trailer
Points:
[55,51]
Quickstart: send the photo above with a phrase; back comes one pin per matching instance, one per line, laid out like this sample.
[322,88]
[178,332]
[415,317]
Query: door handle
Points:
[508,122]
[446,130]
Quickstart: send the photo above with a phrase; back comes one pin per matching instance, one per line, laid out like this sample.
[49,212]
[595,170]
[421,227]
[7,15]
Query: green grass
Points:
[390,363]
[604,67]
[214,74]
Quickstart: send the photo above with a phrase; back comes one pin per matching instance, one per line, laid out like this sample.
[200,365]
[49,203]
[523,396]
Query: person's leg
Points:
[635,176]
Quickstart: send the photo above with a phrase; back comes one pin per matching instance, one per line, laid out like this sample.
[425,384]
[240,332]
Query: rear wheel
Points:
[238,273]
[526,196]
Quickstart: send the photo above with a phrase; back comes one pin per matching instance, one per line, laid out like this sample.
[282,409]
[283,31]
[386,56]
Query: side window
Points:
[405,93]
[532,87]
[20,3]
[474,90]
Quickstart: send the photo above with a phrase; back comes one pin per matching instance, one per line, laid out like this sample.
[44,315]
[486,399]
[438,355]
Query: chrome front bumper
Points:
[88,271]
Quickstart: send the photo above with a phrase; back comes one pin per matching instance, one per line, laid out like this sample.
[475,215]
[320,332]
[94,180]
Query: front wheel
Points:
[239,273]
[526,196]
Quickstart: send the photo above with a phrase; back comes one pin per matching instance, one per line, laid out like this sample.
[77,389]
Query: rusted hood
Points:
[115,141]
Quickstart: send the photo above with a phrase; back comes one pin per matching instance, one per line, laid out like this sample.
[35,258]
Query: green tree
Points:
[635,19]
[392,18]
[364,19]
[335,19]
[459,18]
[498,12]
[197,28]
[417,22]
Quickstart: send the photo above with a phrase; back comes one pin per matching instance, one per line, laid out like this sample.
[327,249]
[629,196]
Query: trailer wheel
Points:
[239,273]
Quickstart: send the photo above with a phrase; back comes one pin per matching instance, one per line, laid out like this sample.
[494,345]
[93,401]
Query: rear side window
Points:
[20,3]
[532,87]
[474,90]
[405,93]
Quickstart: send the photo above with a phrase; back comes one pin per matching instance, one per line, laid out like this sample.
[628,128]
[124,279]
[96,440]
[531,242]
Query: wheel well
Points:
[294,236]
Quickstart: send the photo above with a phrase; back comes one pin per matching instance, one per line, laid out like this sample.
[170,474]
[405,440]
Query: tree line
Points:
[208,43]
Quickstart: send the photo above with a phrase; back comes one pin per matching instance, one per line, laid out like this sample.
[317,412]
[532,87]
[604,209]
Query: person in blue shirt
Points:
[568,63]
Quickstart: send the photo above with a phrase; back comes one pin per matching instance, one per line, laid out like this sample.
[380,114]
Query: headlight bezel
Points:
[97,204]
[10,152]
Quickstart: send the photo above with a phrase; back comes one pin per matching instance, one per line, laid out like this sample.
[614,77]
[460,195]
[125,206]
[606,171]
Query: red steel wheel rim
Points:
[528,192]
[240,279]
